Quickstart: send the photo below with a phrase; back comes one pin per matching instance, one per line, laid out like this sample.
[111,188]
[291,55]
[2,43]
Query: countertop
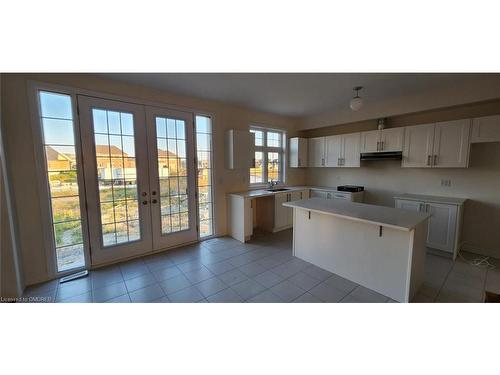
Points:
[264,193]
[431,198]
[369,213]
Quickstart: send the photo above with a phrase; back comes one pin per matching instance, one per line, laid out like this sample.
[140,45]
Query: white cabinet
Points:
[316,152]
[319,193]
[283,216]
[485,129]
[451,144]
[333,150]
[239,149]
[441,232]
[298,152]
[335,194]
[444,223]
[240,213]
[343,150]
[441,145]
[382,140]
[417,149]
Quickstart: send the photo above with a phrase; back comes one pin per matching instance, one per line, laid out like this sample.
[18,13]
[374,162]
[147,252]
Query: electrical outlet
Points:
[446,182]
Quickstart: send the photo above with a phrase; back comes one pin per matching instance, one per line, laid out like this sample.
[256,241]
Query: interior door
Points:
[116,178]
[451,144]
[172,177]
[417,150]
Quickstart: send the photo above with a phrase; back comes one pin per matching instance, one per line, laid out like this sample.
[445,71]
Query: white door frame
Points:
[163,241]
[101,254]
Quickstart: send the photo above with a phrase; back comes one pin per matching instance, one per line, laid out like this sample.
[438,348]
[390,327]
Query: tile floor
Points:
[263,270]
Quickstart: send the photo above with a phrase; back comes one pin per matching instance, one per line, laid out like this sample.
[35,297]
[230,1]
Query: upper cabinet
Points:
[298,152]
[342,150]
[441,145]
[316,152]
[384,140]
[485,129]
[239,150]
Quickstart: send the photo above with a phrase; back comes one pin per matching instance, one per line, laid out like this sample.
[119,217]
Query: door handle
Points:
[435,159]
[428,160]
[382,146]
[378,146]
[299,162]
[144,194]
[144,202]
[154,201]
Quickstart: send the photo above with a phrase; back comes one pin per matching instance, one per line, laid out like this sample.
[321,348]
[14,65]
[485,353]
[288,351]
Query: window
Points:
[269,155]
[58,138]
[205,186]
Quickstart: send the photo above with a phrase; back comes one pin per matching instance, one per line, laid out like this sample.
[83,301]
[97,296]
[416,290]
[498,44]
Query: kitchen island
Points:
[381,248]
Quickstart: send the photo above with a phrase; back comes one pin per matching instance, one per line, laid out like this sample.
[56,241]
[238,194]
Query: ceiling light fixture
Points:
[356,102]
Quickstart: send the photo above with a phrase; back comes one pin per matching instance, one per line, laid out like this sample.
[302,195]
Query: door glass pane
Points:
[205,192]
[62,175]
[172,174]
[117,176]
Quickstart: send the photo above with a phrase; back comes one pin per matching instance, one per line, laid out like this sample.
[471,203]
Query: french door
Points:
[139,177]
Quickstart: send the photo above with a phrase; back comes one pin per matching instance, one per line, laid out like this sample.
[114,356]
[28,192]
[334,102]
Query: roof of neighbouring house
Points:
[166,154]
[105,150]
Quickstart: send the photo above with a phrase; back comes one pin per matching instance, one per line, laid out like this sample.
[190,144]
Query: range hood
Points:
[390,155]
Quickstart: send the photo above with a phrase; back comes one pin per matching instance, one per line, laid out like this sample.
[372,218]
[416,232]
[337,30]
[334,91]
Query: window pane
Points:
[259,137]
[256,173]
[273,166]
[273,139]
[205,191]
[62,176]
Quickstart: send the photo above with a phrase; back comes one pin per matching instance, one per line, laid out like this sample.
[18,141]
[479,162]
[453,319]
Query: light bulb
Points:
[356,103]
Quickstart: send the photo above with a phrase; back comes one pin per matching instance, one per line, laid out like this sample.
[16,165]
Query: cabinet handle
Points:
[382,146]
[378,146]
[343,161]
[299,162]
[428,160]
[435,160]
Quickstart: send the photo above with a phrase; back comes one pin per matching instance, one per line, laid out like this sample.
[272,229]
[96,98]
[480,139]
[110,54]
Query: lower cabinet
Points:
[444,223]
[283,216]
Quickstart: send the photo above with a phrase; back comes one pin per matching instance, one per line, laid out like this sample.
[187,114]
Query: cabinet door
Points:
[370,141]
[239,149]
[350,150]
[280,212]
[442,226]
[392,139]
[293,196]
[316,152]
[485,129]
[318,194]
[410,205]
[417,150]
[333,150]
[451,144]
[298,152]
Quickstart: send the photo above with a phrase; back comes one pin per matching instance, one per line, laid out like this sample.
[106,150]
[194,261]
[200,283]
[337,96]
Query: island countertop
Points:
[369,213]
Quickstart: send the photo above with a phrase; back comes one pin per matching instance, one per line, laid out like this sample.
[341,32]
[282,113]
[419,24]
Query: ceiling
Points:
[293,94]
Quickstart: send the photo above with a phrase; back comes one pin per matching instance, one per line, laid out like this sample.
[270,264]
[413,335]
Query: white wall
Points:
[20,155]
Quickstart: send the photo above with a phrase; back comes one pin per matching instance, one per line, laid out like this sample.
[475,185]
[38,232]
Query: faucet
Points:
[273,183]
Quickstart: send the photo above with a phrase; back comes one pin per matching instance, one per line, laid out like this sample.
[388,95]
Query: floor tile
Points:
[103,277]
[225,296]
[190,266]
[175,284]
[317,272]
[220,267]
[341,283]
[240,260]
[166,273]
[252,269]
[140,282]
[248,289]
[131,271]
[265,297]
[199,275]
[82,298]
[191,294]
[287,291]
[232,277]
[327,293]
[147,294]
[75,288]
[304,281]
[268,279]
[163,299]
[307,298]
[109,291]
[288,269]
[40,289]
[211,286]
[120,299]
[365,295]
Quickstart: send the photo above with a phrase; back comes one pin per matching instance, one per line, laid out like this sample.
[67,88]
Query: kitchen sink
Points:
[279,189]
